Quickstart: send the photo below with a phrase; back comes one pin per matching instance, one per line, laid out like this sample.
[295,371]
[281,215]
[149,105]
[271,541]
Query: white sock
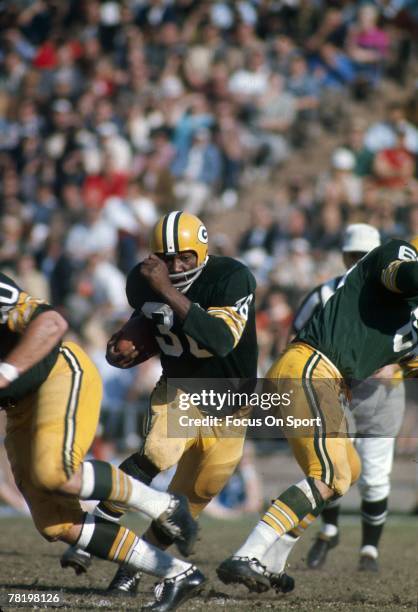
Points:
[276,557]
[329,530]
[369,551]
[148,500]
[150,559]
[143,498]
[258,542]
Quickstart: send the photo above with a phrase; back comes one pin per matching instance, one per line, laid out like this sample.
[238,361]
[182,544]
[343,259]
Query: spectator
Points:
[355,143]
[367,46]
[341,185]
[382,134]
[263,232]
[202,173]
[305,87]
[394,167]
[276,112]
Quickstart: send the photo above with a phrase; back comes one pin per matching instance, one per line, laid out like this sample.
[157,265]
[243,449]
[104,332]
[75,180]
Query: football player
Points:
[51,393]
[377,406]
[202,310]
[370,322]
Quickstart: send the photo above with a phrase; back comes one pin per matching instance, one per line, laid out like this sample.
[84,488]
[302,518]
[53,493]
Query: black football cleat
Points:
[243,570]
[368,564]
[281,583]
[178,524]
[318,552]
[78,559]
[171,593]
[125,582]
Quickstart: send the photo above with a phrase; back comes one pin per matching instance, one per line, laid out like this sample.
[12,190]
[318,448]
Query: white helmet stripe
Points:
[170,237]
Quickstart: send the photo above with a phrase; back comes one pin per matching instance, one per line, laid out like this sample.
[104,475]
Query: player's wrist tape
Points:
[9,371]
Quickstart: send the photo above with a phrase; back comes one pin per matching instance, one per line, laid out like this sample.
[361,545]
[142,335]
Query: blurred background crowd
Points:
[276,121]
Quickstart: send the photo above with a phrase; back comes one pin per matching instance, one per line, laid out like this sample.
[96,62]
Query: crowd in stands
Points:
[113,113]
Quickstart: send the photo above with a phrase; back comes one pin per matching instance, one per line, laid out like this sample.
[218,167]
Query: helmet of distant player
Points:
[180,231]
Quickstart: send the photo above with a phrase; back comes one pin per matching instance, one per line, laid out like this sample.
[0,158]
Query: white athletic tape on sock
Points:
[87,480]
[87,531]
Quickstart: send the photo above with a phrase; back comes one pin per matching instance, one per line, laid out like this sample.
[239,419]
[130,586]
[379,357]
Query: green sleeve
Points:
[236,291]
[210,332]
[397,267]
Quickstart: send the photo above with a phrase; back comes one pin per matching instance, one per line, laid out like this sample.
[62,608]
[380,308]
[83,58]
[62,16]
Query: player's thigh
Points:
[65,417]
[18,441]
[52,514]
[314,421]
[164,443]
[205,468]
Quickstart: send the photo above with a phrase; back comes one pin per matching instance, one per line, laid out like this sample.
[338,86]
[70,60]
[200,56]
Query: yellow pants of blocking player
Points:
[322,449]
[205,456]
[48,435]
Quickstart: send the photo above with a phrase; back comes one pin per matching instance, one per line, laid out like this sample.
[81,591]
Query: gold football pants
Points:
[206,456]
[48,435]
[321,445]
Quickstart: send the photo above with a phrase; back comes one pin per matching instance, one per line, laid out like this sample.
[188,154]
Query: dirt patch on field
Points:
[28,565]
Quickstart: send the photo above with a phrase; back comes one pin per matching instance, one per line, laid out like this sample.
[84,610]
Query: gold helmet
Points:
[414,242]
[180,231]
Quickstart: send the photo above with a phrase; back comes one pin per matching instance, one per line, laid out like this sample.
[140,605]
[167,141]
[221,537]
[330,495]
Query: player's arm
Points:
[218,329]
[41,328]
[398,267]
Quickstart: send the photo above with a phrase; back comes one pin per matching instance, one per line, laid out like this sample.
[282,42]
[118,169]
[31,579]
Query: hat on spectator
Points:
[343,159]
[360,238]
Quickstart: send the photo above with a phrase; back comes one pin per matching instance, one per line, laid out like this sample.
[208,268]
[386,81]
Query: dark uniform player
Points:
[371,321]
[202,308]
[51,392]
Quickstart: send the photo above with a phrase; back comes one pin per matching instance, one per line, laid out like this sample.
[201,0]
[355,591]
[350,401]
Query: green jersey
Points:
[372,318]
[218,337]
[17,309]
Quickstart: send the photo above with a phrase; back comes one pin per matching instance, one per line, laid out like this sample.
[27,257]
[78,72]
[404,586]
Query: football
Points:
[136,335]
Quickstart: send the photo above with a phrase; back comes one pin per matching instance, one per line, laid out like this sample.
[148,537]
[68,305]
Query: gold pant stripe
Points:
[126,547]
[282,517]
[121,533]
[122,542]
[287,511]
[303,526]
[320,436]
[274,523]
[70,413]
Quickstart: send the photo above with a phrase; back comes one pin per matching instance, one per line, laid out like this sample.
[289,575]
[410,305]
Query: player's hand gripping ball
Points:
[134,343]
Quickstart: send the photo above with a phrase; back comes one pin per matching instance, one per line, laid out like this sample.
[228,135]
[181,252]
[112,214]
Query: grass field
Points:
[30,565]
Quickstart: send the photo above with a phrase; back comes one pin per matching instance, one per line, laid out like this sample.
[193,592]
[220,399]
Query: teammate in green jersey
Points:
[370,322]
